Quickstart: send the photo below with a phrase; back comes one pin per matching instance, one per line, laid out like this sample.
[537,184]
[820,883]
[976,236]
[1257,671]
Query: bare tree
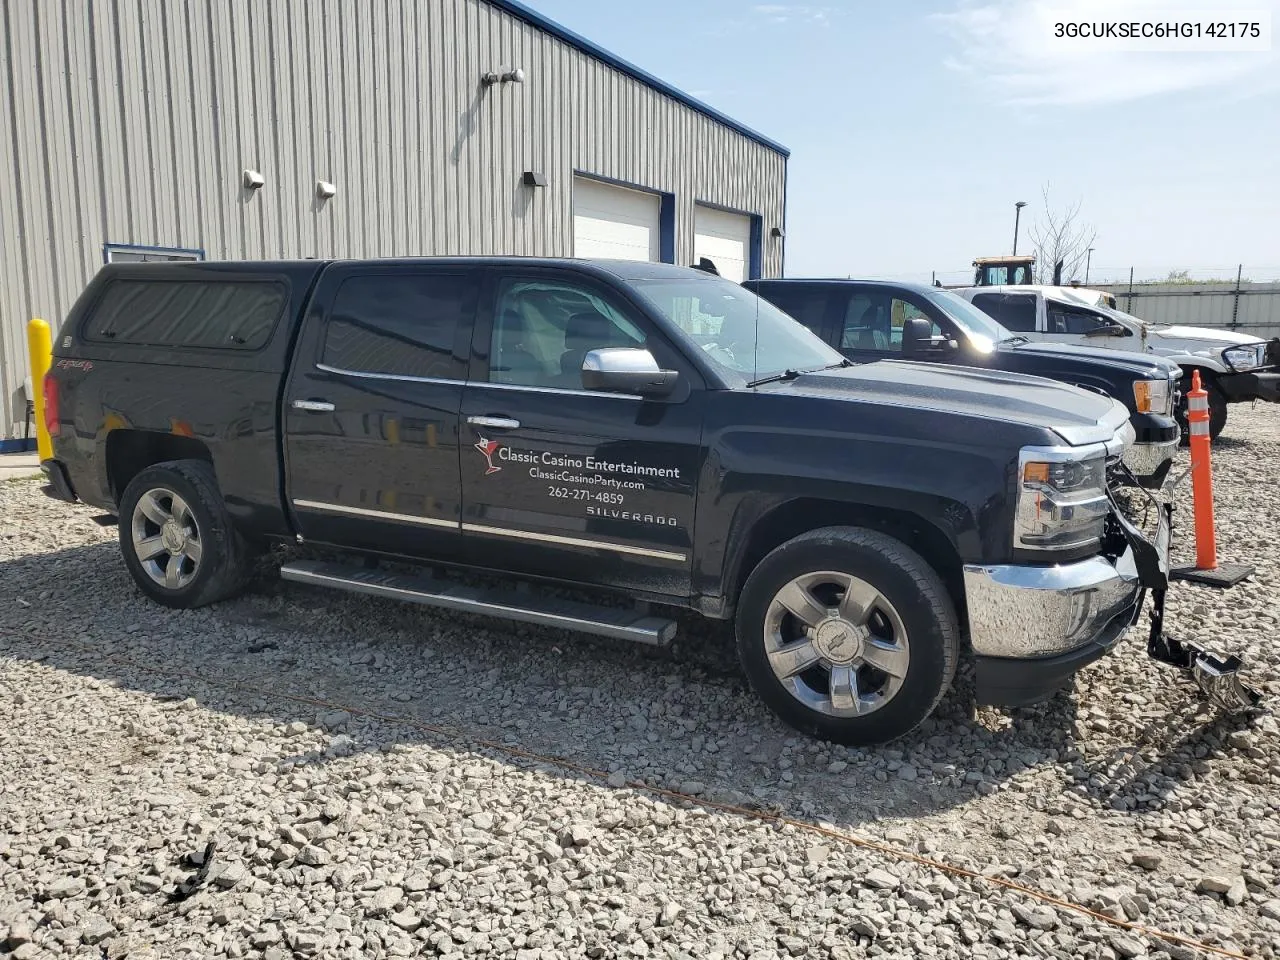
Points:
[1061,235]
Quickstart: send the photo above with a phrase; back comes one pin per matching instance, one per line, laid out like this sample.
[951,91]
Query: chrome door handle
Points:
[497,423]
[314,406]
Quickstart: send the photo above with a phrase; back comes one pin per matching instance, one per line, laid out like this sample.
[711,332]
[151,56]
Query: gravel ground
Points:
[131,737]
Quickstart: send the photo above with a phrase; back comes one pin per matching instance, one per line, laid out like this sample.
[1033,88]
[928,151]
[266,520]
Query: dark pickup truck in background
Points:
[644,430]
[872,320]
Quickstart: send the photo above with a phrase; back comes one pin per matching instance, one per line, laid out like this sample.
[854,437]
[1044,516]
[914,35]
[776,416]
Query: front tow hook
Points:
[1217,677]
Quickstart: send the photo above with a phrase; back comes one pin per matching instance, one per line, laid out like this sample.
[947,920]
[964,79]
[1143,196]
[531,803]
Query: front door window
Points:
[542,331]
[874,320]
[1066,320]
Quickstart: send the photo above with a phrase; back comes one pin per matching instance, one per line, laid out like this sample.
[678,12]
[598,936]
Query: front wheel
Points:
[848,635]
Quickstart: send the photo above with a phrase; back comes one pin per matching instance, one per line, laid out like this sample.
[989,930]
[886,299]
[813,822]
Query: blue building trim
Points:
[17,446]
[782,259]
[755,256]
[536,19]
[139,248]
[667,229]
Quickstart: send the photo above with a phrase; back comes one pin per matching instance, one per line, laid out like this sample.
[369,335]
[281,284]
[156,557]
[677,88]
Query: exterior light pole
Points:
[1017,212]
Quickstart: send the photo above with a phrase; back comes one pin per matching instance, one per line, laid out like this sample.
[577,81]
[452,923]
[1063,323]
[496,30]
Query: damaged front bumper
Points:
[1151,461]
[1033,628]
[1257,385]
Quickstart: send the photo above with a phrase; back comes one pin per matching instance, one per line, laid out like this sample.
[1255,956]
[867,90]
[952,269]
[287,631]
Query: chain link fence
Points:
[1242,298]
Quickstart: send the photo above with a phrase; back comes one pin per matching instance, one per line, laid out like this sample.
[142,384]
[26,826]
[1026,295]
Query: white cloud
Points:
[791,13]
[1010,46]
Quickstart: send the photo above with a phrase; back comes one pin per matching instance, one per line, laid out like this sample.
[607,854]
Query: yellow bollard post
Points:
[40,347]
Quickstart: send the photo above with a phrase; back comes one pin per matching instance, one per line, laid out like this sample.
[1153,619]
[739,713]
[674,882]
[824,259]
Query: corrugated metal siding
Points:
[1256,311]
[131,121]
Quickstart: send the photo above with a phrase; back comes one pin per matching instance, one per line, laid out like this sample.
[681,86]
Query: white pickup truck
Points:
[1233,366]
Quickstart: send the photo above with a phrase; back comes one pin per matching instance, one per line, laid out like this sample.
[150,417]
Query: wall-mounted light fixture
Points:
[777,233]
[515,75]
[253,180]
[531,178]
[325,189]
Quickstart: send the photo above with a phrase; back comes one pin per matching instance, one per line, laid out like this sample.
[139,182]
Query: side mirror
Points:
[918,338]
[626,370]
[1107,330]
[917,333]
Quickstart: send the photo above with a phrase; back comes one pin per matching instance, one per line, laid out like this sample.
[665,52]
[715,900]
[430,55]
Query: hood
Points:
[1077,416]
[1228,338]
[1139,364]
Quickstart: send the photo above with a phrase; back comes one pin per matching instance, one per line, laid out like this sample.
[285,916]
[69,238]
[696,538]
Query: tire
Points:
[177,538]
[1217,407]
[911,627]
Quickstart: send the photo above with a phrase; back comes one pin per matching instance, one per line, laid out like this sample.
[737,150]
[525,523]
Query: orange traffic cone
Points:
[1207,570]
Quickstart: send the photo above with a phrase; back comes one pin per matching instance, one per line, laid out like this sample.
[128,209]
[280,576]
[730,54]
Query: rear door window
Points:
[220,314]
[400,325]
[1014,311]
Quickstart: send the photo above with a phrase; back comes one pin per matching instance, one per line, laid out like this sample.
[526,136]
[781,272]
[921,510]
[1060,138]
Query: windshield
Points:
[981,327]
[720,318]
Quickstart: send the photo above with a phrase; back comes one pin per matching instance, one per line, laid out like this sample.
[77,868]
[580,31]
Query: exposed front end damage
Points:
[1217,676]
[1033,628]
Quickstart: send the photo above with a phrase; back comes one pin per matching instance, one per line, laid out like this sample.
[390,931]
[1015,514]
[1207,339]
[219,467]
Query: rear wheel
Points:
[848,635]
[1217,407]
[176,537]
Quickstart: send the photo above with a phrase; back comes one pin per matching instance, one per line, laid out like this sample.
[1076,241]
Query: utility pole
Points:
[1235,304]
[1017,212]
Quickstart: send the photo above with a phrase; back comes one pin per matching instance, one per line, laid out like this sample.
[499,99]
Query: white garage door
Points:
[724,239]
[613,222]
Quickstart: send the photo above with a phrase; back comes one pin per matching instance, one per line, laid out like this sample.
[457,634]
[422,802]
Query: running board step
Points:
[619,623]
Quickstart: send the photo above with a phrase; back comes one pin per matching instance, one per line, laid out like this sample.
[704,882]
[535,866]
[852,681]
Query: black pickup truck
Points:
[640,430]
[872,320]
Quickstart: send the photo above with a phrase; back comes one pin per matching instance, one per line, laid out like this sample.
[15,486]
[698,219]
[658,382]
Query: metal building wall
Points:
[1251,308]
[131,121]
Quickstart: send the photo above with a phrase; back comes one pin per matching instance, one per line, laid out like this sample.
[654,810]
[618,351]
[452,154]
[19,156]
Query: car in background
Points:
[871,320]
[1233,366]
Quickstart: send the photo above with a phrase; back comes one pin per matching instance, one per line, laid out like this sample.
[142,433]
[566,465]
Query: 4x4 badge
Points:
[489,448]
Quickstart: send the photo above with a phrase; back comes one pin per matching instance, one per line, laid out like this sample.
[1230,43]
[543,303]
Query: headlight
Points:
[1151,396]
[1062,498]
[1246,356]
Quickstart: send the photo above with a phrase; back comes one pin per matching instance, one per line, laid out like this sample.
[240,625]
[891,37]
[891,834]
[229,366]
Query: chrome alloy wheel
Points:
[836,644]
[166,538]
